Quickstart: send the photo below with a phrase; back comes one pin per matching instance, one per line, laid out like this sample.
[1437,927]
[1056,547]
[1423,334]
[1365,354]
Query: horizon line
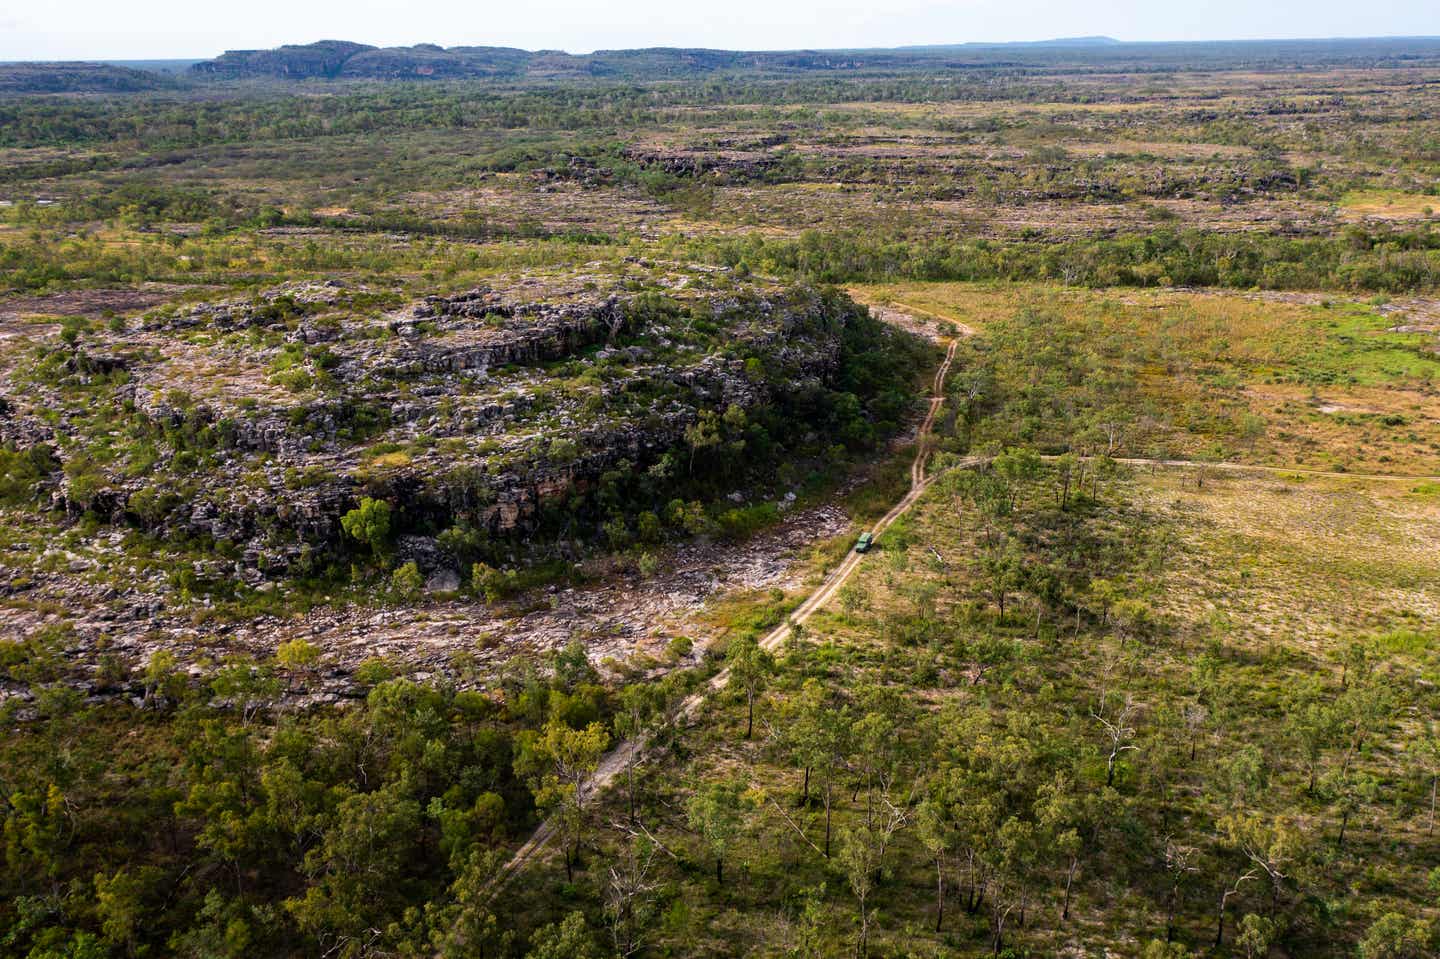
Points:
[1092,40]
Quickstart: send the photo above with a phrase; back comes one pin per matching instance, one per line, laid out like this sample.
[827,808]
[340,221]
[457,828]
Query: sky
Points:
[154,29]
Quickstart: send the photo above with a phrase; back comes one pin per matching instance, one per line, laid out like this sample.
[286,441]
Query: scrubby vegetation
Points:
[380,462]
[1021,730]
[184,829]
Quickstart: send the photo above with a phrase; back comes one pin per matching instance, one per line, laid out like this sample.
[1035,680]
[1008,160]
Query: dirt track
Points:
[614,763]
[1231,467]
[619,759]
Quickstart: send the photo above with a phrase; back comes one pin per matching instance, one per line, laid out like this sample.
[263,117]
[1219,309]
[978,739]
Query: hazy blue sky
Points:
[114,29]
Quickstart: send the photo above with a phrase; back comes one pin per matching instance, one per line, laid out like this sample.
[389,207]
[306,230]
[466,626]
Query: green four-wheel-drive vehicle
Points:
[862,545]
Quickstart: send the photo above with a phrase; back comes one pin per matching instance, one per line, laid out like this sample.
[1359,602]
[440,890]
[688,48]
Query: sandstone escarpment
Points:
[257,423]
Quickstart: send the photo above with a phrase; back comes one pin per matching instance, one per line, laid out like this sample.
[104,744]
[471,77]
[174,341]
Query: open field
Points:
[1389,205]
[1281,380]
[1300,563]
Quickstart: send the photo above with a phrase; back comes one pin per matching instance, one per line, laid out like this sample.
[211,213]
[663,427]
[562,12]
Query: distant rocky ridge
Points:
[77,77]
[340,60]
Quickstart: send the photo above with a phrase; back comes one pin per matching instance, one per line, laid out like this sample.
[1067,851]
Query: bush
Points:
[406,582]
[21,472]
[492,584]
[1394,936]
[369,524]
[745,521]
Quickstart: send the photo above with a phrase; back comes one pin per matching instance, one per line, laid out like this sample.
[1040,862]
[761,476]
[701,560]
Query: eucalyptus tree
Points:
[641,705]
[750,667]
[717,813]
[558,763]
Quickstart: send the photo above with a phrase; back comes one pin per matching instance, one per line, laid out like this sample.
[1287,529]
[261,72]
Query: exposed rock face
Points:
[558,333]
[267,419]
[332,59]
[618,615]
[730,165]
[76,77]
[325,58]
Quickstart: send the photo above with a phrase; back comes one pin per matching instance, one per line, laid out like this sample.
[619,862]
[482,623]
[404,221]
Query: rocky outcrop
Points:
[541,334]
[730,166]
[323,59]
[77,77]
[490,406]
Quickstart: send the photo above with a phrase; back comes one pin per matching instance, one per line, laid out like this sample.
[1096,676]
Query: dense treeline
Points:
[264,112]
[170,122]
[1380,261]
[46,260]
[1393,261]
[140,205]
[203,823]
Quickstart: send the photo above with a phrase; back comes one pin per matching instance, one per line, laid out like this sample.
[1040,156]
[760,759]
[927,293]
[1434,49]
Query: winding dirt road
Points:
[615,762]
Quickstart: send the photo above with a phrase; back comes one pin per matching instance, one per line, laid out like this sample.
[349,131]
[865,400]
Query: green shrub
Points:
[369,524]
[406,582]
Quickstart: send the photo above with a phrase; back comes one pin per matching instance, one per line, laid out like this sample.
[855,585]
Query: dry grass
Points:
[1390,205]
[1335,383]
[1303,561]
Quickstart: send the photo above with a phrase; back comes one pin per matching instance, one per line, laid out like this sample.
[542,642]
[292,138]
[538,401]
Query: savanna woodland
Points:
[432,487]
